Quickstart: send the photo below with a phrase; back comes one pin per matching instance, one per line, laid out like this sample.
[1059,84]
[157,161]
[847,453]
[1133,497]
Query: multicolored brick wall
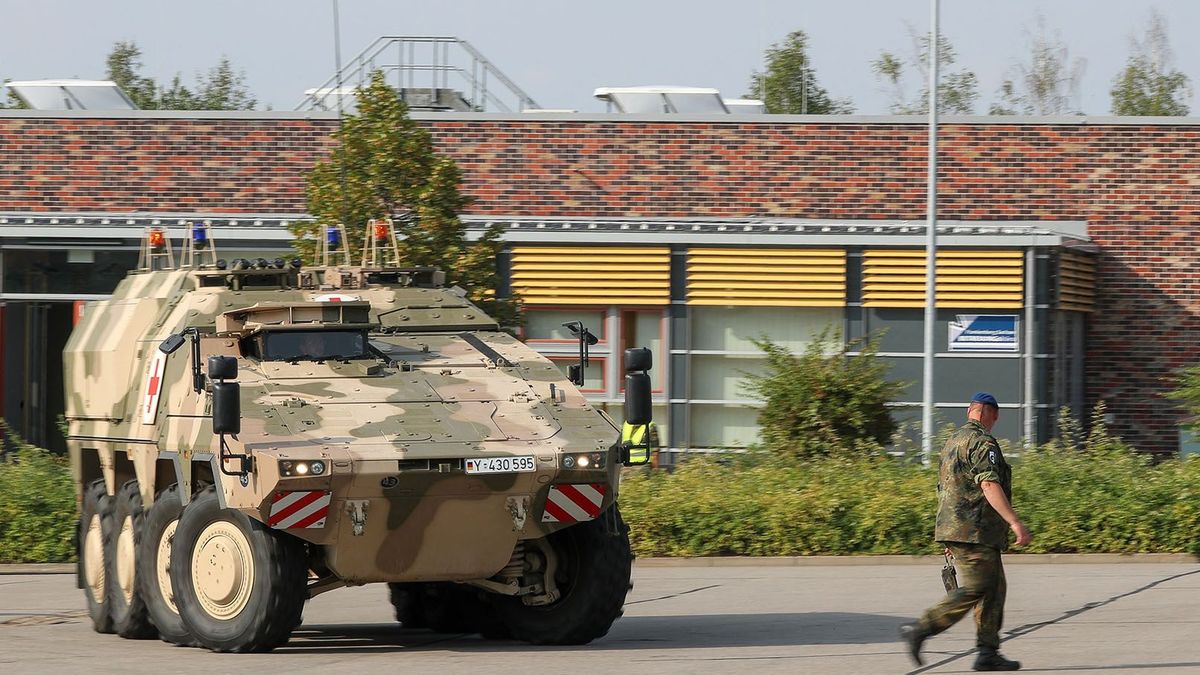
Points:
[1136,185]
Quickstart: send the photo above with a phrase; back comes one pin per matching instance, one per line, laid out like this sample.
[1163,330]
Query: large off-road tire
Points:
[126,604]
[445,607]
[154,567]
[95,531]
[239,586]
[594,569]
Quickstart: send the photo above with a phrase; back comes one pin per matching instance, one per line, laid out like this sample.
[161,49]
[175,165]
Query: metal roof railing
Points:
[432,63]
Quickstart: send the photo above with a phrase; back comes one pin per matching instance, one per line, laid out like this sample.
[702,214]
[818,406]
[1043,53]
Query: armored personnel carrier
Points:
[247,435]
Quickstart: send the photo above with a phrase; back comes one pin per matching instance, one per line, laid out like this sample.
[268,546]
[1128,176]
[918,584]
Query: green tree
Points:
[957,91]
[1149,84]
[223,88]
[176,96]
[789,85]
[1187,392]
[1046,84]
[384,165]
[123,66]
[825,401]
[10,100]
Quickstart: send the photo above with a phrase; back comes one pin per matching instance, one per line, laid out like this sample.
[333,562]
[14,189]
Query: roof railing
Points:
[433,64]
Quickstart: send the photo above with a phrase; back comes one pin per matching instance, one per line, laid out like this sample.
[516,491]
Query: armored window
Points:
[311,345]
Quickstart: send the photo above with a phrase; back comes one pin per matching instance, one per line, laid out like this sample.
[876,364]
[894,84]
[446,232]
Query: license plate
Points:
[499,465]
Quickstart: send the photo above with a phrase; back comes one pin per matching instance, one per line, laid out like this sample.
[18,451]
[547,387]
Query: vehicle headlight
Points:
[291,467]
[584,461]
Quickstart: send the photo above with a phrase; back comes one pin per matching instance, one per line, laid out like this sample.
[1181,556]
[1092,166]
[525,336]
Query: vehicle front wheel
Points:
[239,586]
[594,565]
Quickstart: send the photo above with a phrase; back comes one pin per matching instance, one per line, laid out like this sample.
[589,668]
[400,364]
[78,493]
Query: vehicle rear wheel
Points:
[406,600]
[594,565]
[239,586]
[127,606]
[446,607]
[95,530]
[154,567]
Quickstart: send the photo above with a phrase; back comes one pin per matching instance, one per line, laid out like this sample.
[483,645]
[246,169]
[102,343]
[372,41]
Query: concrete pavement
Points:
[1076,618]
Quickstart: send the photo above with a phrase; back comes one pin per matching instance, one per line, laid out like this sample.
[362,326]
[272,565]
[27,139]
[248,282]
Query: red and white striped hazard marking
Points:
[154,385]
[299,509]
[573,503]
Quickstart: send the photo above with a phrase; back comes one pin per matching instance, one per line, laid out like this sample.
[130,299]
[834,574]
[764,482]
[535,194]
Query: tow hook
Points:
[518,508]
[357,508]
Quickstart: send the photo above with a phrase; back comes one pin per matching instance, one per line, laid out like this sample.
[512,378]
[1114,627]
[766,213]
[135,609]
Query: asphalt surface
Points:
[1074,618]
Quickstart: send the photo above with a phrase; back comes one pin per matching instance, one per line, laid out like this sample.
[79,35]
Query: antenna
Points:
[337,60]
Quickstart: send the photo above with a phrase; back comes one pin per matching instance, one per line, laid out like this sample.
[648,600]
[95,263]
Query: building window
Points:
[644,328]
[593,376]
[544,325]
[731,329]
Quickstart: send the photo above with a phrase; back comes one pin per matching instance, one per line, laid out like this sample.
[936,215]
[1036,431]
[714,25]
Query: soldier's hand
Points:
[1022,532]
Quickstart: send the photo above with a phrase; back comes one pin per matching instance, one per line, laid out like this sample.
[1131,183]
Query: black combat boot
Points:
[914,636]
[990,659]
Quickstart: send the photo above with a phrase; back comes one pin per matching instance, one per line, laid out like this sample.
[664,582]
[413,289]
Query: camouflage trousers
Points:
[981,586]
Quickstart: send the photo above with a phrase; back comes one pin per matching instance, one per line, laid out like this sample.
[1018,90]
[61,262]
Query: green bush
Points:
[37,506]
[824,401]
[1099,500]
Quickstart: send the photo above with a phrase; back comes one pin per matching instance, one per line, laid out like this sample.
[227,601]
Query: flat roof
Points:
[630,118]
[70,229]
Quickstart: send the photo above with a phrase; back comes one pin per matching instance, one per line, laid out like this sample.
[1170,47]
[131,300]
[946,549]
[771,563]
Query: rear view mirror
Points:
[171,344]
[227,408]
[222,368]
[637,399]
[638,358]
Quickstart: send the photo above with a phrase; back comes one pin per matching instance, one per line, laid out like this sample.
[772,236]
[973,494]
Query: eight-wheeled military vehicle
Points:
[246,435]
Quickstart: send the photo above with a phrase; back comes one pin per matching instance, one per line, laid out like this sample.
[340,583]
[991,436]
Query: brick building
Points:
[1052,191]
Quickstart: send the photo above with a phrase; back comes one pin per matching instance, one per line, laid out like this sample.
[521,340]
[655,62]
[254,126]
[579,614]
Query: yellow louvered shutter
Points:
[965,279]
[778,277]
[1077,282]
[593,275]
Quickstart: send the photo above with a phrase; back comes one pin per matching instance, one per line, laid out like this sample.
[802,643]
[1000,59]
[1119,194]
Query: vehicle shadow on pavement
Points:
[635,632]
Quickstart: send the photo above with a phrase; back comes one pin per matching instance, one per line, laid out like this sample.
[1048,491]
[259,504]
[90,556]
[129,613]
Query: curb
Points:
[807,561]
[38,568]
[854,560]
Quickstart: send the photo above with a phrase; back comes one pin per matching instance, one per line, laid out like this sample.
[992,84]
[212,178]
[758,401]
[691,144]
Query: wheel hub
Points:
[93,559]
[222,570]
[163,565]
[125,559]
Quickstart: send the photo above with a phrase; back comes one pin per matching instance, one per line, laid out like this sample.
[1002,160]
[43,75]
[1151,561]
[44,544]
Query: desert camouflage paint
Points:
[442,384]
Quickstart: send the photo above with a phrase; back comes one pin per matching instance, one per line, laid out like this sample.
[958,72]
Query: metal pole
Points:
[337,58]
[927,430]
[1030,349]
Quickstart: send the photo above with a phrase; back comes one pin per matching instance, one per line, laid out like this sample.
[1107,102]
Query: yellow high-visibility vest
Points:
[638,439]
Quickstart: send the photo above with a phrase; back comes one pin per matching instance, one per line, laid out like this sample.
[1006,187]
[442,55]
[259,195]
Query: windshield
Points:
[312,345]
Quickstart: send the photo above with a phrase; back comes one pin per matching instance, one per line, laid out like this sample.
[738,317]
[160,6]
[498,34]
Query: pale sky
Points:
[559,51]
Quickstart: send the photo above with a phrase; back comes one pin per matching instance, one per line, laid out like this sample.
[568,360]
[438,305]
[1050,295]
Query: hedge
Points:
[37,506]
[1105,501]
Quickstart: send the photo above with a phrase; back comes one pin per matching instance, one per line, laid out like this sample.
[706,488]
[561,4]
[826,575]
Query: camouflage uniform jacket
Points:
[970,457]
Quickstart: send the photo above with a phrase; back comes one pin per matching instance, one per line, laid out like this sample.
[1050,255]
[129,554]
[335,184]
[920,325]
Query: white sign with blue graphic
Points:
[984,333]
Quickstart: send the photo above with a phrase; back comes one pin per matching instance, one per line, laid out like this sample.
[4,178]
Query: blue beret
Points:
[985,398]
